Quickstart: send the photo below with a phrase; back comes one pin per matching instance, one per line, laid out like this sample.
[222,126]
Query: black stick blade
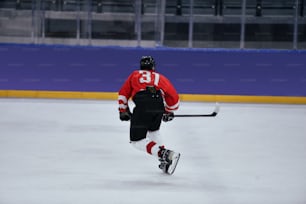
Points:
[213,114]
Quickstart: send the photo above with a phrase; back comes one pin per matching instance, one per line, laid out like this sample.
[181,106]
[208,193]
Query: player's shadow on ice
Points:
[146,183]
[141,183]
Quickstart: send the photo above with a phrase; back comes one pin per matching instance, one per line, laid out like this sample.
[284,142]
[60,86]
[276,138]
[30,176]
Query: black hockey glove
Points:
[126,115]
[168,116]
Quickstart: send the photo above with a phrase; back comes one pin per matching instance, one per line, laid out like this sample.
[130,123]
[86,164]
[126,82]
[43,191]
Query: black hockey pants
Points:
[147,114]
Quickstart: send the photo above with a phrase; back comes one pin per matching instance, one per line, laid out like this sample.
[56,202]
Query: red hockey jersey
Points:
[139,80]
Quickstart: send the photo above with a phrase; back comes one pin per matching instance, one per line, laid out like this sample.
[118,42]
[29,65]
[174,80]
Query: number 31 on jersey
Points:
[146,77]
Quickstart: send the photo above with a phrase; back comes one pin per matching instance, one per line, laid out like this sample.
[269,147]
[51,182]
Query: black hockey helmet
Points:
[147,63]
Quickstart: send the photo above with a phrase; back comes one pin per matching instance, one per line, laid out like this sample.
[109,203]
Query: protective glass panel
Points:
[176,23]
[151,23]
[301,44]
[271,25]
[217,24]
[301,36]
[113,23]
[16,22]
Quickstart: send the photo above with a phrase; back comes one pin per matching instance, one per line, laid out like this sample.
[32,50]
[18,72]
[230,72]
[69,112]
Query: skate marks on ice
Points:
[254,152]
[65,151]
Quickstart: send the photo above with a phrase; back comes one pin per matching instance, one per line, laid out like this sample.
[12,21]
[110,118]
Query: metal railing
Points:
[151,23]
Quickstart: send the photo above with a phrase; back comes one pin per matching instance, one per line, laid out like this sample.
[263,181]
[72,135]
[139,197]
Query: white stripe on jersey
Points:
[122,98]
[174,107]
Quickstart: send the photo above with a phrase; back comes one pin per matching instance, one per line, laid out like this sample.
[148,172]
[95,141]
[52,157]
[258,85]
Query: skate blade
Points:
[172,166]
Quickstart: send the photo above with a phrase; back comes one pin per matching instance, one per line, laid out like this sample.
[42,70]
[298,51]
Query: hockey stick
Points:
[213,114]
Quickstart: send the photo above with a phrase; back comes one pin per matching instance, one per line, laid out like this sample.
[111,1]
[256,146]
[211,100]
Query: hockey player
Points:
[155,100]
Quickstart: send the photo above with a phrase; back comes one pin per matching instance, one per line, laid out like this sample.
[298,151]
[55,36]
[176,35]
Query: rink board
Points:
[198,74]
[183,97]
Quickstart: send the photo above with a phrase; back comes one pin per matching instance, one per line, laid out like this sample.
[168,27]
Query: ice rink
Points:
[78,152]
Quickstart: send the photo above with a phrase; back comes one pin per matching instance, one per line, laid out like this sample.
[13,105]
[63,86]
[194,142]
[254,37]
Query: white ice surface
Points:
[78,152]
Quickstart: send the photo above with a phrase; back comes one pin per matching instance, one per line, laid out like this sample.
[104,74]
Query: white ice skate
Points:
[168,161]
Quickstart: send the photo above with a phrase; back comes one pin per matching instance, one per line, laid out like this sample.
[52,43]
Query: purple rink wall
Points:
[192,71]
